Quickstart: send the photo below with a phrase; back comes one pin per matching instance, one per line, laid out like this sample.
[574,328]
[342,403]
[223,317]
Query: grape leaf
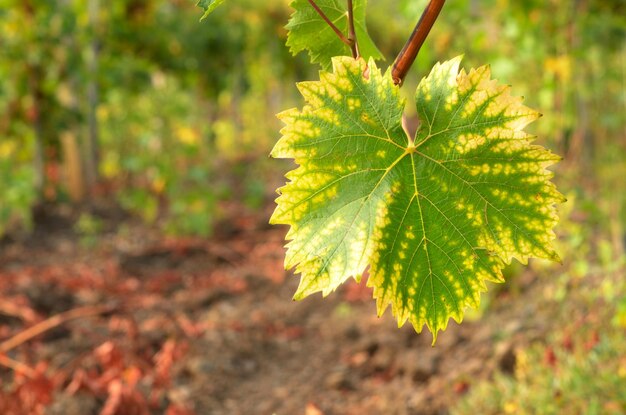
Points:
[208,6]
[433,217]
[307,30]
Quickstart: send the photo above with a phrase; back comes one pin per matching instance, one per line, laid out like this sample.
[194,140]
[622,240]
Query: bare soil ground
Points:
[184,326]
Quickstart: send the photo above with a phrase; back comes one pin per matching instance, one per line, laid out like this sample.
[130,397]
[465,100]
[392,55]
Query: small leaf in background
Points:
[433,217]
[308,31]
[208,6]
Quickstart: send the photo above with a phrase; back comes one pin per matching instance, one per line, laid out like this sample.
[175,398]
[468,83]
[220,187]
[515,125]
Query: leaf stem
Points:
[341,36]
[409,52]
[354,45]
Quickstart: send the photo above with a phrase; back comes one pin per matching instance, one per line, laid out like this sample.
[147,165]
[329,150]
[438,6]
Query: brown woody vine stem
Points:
[344,39]
[409,52]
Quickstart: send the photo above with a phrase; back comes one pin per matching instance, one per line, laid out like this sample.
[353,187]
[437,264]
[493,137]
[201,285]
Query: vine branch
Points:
[409,52]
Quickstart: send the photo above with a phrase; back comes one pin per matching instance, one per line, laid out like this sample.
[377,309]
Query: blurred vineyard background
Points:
[138,100]
[136,106]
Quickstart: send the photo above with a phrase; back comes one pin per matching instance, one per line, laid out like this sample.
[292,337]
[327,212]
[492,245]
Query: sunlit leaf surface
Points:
[308,31]
[434,217]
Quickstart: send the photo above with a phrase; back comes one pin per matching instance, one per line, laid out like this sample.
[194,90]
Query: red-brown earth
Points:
[183,326]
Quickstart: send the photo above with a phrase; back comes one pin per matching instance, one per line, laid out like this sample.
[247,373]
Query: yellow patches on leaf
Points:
[410,234]
[433,220]
[328,115]
[367,119]
[467,142]
[353,103]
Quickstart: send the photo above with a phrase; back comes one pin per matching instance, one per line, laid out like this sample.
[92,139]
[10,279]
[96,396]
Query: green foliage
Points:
[17,190]
[434,217]
[578,365]
[17,176]
[88,227]
[226,108]
[159,155]
[308,31]
[580,379]
[209,6]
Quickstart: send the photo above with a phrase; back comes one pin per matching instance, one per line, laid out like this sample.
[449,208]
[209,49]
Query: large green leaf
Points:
[209,6]
[308,31]
[434,217]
